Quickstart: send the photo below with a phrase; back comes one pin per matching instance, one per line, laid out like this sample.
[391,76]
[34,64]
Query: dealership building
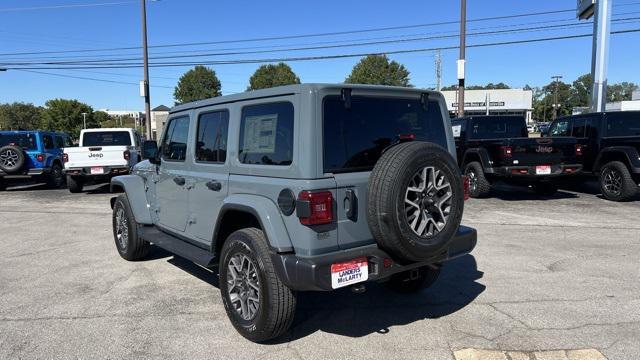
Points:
[492,102]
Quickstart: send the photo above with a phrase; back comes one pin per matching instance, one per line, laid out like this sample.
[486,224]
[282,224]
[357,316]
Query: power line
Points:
[64,6]
[326,57]
[87,78]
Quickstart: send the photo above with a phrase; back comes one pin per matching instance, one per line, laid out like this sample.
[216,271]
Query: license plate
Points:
[349,272]
[543,170]
[97,170]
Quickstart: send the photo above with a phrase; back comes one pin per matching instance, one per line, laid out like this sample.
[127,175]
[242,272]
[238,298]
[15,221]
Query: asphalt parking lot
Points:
[554,273]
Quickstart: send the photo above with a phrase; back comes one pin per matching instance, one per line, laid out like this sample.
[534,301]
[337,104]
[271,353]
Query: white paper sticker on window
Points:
[260,133]
[456,130]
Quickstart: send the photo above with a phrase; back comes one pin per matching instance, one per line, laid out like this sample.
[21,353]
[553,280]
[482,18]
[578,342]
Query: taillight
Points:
[465,187]
[65,158]
[316,207]
[40,157]
[507,151]
[578,150]
[126,154]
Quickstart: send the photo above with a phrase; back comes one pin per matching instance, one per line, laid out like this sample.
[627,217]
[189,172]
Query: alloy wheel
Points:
[612,181]
[428,202]
[9,158]
[122,228]
[243,286]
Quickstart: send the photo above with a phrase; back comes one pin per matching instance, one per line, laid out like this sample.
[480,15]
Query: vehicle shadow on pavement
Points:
[15,187]
[379,309]
[518,193]
[589,186]
[102,189]
[206,275]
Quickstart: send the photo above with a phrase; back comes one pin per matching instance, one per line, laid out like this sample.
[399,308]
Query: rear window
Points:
[25,141]
[623,124]
[497,127]
[107,138]
[355,138]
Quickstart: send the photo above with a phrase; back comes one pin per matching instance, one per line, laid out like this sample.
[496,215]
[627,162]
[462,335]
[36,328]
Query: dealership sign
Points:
[479,104]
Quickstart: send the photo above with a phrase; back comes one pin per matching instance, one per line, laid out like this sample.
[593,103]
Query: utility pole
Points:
[600,56]
[555,96]
[84,120]
[145,85]
[461,61]
[438,71]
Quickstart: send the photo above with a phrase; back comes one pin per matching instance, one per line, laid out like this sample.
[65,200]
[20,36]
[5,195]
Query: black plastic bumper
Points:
[108,171]
[529,172]
[26,174]
[314,273]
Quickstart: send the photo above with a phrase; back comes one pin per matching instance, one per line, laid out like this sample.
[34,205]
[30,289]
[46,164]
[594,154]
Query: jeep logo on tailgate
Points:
[96,156]
[544,149]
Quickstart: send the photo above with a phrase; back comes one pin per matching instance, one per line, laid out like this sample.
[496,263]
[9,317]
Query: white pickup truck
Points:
[101,155]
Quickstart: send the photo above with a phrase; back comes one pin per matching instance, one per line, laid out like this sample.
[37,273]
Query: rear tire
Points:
[545,188]
[616,182]
[479,186]
[125,231]
[404,282]
[258,304]
[74,184]
[55,180]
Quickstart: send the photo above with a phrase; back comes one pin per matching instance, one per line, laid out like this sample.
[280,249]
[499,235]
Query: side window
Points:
[560,128]
[211,144]
[266,134]
[47,141]
[622,124]
[579,127]
[174,145]
[67,142]
[59,142]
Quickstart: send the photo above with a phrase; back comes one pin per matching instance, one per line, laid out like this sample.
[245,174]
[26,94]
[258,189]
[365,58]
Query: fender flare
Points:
[134,187]
[627,152]
[482,154]
[268,215]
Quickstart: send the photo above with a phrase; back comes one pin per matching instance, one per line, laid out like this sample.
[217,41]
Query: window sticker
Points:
[456,130]
[260,133]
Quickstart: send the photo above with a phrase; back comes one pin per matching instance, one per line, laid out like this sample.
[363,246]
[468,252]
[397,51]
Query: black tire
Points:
[74,184]
[12,159]
[545,188]
[616,182]
[390,186]
[125,231]
[413,280]
[277,303]
[55,180]
[479,186]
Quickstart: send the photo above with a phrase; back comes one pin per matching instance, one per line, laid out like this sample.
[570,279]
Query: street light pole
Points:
[600,56]
[461,61]
[555,96]
[84,120]
[145,85]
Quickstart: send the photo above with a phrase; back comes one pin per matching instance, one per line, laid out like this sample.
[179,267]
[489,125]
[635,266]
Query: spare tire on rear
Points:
[415,201]
[12,159]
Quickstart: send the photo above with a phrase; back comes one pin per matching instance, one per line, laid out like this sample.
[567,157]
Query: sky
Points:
[36,26]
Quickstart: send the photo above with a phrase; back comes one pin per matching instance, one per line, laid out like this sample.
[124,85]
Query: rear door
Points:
[354,140]
[209,173]
[172,187]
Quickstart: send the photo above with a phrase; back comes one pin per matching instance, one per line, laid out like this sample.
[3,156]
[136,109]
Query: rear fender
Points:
[626,154]
[481,155]
[134,187]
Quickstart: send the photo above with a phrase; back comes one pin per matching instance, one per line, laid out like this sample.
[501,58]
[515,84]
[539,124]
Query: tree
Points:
[581,91]
[489,86]
[101,117]
[196,84]
[19,116]
[449,88]
[621,92]
[270,75]
[378,70]
[543,101]
[66,115]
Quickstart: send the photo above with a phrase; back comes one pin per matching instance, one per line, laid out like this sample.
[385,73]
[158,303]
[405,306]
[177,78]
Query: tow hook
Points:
[414,274]
[358,289]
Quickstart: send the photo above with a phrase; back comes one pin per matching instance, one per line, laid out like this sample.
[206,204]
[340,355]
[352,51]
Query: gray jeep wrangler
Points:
[299,188]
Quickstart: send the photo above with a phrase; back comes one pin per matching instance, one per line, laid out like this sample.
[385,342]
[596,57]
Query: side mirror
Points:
[150,151]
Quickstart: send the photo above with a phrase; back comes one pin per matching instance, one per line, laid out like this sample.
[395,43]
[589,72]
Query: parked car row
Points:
[597,145]
[51,158]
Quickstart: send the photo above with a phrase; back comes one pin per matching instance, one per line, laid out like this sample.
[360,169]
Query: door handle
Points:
[179,180]
[214,185]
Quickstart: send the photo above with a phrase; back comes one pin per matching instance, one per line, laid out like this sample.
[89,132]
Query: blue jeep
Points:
[32,155]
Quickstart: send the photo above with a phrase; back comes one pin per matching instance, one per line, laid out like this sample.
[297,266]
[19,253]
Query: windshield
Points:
[106,138]
[25,141]
[355,138]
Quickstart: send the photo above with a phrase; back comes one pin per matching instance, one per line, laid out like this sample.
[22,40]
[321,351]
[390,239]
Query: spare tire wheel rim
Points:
[9,158]
[428,201]
[612,181]
[243,286]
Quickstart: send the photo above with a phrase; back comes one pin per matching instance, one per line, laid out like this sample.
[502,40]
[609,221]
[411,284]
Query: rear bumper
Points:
[314,273]
[109,171]
[529,172]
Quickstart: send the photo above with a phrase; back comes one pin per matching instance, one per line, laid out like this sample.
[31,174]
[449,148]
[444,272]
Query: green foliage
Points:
[100,117]
[66,115]
[621,92]
[196,84]
[117,121]
[268,76]
[378,70]
[489,86]
[19,116]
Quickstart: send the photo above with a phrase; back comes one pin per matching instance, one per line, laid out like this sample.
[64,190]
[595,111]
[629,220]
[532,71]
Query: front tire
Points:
[616,182]
[74,184]
[479,186]
[413,280]
[258,304]
[125,231]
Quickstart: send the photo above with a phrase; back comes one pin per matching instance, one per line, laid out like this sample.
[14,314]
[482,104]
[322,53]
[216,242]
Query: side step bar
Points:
[177,246]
